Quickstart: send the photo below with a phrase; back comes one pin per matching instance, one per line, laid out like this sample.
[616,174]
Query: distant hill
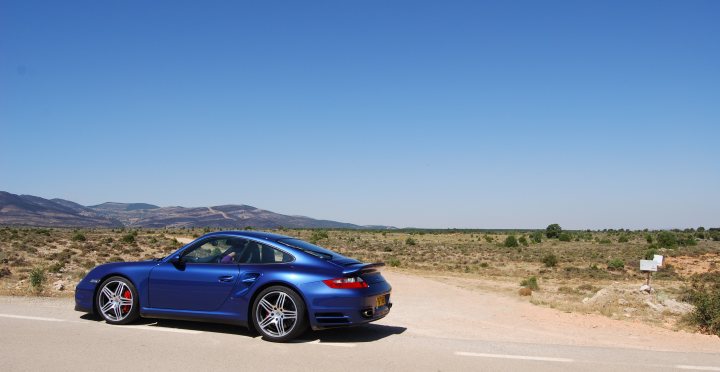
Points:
[28,210]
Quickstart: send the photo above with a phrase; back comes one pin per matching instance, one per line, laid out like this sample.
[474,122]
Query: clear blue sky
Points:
[487,114]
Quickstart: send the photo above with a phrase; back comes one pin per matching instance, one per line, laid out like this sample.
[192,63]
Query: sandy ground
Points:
[434,308]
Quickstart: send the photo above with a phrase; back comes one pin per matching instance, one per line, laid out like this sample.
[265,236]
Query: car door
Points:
[198,281]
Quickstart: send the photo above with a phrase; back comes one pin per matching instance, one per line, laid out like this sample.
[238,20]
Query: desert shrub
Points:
[616,264]
[649,238]
[687,240]
[37,279]
[129,238]
[484,265]
[550,260]
[650,254]
[56,267]
[705,295]
[393,261]
[531,283]
[111,259]
[586,288]
[523,240]
[5,272]
[605,241]
[536,236]
[488,238]
[318,235]
[410,241]
[564,237]
[510,241]
[78,237]
[623,239]
[553,231]
[667,239]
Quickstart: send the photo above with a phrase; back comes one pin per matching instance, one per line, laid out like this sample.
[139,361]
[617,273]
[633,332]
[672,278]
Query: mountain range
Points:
[29,210]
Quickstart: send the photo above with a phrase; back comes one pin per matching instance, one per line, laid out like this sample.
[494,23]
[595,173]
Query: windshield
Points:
[306,247]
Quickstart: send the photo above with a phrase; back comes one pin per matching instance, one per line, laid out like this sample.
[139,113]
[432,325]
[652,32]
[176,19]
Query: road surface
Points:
[434,326]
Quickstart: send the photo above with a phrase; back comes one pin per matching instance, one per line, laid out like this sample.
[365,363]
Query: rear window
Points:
[312,249]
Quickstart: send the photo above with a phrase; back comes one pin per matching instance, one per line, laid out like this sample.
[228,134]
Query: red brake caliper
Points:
[127,295]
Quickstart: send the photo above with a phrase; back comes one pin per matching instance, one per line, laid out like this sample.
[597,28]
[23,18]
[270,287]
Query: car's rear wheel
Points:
[279,314]
[117,301]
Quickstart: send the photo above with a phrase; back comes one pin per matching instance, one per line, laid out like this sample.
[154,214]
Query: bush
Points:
[564,237]
[623,239]
[394,262]
[705,295]
[536,237]
[650,254]
[78,237]
[523,241]
[531,283]
[687,240]
[56,267]
[666,239]
[318,235]
[37,279]
[511,241]
[550,260]
[410,241]
[129,238]
[553,231]
[649,238]
[616,264]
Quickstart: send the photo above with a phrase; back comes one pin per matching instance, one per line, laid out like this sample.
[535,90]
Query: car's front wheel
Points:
[117,301]
[279,314]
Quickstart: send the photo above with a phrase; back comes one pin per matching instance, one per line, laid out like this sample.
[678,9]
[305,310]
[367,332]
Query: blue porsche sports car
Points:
[277,284]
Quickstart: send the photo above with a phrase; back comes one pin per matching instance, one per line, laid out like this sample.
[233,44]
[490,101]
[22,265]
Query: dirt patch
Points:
[687,265]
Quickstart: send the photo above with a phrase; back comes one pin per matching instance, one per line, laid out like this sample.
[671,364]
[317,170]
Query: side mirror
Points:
[177,260]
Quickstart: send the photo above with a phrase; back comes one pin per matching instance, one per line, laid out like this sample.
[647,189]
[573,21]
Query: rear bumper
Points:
[332,308]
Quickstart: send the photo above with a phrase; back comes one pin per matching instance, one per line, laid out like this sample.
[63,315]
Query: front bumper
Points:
[84,293]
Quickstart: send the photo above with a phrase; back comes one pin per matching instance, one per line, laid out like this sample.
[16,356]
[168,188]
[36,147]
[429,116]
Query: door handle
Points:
[226,278]
[250,278]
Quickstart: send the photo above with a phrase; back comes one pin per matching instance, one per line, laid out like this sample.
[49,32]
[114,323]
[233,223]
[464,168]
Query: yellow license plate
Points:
[380,301]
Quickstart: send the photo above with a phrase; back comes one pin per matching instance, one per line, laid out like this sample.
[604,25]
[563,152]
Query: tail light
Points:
[346,283]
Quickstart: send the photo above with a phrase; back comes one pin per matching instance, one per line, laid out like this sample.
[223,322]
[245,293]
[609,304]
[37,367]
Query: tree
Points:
[553,231]
[511,241]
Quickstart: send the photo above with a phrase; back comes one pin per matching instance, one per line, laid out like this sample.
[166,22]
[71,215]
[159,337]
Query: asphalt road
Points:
[44,334]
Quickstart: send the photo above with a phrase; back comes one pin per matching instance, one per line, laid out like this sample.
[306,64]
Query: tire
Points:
[278,314]
[117,301]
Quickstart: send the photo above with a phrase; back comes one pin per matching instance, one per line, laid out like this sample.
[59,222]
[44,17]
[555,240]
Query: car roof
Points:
[250,234]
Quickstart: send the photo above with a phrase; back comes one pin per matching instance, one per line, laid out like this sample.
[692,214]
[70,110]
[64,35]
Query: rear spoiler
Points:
[362,268]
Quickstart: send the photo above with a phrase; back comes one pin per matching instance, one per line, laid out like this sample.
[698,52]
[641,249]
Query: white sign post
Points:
[650,266]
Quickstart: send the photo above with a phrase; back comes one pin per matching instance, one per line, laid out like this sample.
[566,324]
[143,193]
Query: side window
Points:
[215,250]
[258,253]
